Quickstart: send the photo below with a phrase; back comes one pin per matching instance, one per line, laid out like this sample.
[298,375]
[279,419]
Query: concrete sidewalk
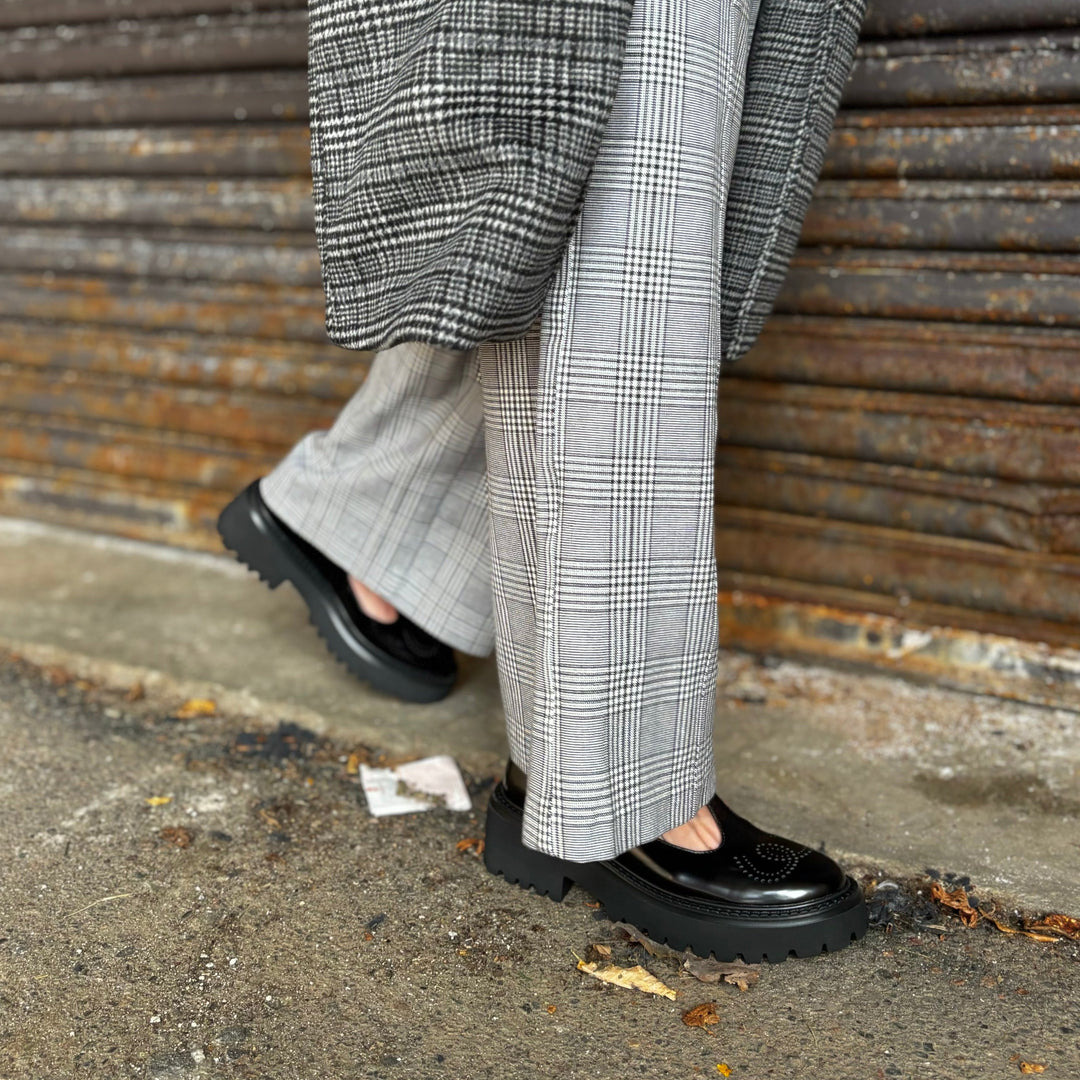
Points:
[888,775]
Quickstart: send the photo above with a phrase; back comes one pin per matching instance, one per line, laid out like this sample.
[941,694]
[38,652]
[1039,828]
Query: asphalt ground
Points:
[207,896]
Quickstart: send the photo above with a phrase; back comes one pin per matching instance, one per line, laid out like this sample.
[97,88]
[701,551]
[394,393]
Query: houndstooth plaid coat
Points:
[452,141]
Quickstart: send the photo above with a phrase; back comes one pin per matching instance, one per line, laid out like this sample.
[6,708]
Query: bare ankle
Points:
[371,604]
[700,833]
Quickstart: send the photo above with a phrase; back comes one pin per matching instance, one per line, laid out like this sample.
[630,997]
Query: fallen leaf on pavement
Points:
[724,1069]
[603,951]
[711,971]
[196,707]
[1065,925]
[136,692]
[1005,929]
[176,835]
[1031,1067]
[159,800]
[957,900]
[352,766]
[701,1015]
[653,948]
[470,843]
[635,978]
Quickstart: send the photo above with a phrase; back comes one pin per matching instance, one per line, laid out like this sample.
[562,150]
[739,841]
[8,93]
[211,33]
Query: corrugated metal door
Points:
[162,339]
[906,436]
[904,439]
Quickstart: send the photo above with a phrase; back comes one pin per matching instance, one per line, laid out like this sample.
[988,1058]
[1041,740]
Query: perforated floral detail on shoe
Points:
[771,862]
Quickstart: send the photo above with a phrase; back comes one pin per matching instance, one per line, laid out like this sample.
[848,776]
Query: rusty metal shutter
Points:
[905,439]
[162,336]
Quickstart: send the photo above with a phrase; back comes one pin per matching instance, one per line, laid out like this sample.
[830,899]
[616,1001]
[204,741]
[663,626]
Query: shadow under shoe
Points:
[398,658]
[756,895]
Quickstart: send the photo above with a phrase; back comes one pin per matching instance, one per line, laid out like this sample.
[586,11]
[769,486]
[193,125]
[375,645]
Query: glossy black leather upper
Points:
[402,639]
[750,867]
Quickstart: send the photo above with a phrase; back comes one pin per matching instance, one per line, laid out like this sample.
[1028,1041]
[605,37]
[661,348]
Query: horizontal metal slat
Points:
[966,216]
[952,286]
[261,421]
[227,97]
[1026,517]
[893,18]
[938,570]
[1040,67]
[124,451]
[1022,363]
[326,372]
[1007,440]
[281,150]
[773,615]
[262,39]
[129,506]
[279,312]
[46,12]
[218,255]
[1039,150]
[265,204]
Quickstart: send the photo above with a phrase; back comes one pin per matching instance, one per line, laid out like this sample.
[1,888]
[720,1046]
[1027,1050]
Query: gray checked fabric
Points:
[451,142]
[394,491]
[601,436]
[793,87]
[582,452]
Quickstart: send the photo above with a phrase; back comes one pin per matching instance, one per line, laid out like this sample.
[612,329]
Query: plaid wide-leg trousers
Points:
[553,495]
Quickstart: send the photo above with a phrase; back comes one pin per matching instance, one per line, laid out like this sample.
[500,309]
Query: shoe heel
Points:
[240,534]
[505,854]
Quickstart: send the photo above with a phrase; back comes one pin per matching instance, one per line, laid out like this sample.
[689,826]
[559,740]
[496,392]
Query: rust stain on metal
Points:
[234,150]
[902,565]
[949,647]
[1013,441]
[1020,363]
[306,370]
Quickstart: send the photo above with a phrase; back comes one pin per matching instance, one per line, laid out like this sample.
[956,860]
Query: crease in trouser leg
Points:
[395,493]
[508,377]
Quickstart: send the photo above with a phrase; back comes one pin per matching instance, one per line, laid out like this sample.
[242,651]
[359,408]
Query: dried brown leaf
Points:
[636,978]
[701,1015]
[471,843]
[1006,929]
[653,948]
[1031,1067]
[735,973]
[1065,925]
[957,900]
[176,835]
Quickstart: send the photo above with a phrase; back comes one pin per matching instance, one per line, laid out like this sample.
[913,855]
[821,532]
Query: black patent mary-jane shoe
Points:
[397,658]
[757,895]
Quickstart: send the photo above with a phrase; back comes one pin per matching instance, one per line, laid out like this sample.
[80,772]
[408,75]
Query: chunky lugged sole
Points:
[702,926]
[260,544]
